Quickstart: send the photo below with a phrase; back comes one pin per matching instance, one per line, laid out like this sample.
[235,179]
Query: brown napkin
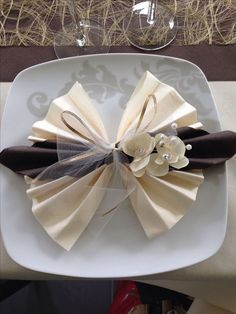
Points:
[207,150]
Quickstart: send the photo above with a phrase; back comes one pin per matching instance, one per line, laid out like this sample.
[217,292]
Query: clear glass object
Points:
[150,26]
[80,37]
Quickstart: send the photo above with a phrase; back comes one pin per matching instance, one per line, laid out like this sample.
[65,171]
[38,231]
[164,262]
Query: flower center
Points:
[161,143]
[140,151]
[166,157]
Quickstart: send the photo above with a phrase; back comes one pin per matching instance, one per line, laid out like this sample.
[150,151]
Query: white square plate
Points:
[122,250]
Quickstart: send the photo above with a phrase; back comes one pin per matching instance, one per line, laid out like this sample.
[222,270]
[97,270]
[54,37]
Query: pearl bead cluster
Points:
[174,126]
[166,157]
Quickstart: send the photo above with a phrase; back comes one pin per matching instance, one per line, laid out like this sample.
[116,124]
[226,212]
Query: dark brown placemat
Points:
[217,62]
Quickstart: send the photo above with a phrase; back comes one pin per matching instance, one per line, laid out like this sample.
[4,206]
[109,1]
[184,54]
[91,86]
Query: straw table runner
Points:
[34,22]
[206,32]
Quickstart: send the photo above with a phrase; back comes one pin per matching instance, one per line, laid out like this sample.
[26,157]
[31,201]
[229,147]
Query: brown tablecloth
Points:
[217,62]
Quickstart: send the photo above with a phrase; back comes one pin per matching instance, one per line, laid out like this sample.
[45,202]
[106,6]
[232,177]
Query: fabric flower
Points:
[139,147]
[170,152]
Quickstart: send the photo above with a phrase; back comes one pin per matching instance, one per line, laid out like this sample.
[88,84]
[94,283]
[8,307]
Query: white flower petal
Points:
[155,169]
[153,157]
[159,160]
[158,170]
[165,151]
[174,157]
[182,162]
[152,145]
[139,146]
[177,146]
[139,173]
[136,165]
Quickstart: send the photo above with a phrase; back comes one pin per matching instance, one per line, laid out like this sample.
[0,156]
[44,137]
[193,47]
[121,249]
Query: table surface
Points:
[219,268]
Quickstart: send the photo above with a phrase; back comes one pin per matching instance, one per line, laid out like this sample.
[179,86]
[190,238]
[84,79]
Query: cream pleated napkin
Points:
[65,206]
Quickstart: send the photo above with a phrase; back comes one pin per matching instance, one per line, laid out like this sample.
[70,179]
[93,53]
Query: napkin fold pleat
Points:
[64,207]
[170,108]
[81,99]
[46,189]
[78,102]
[161,202]
[146,86]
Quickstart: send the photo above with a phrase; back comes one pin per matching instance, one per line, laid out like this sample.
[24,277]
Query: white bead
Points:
[188,146]
[166,157]
[174,125]
[161,143]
